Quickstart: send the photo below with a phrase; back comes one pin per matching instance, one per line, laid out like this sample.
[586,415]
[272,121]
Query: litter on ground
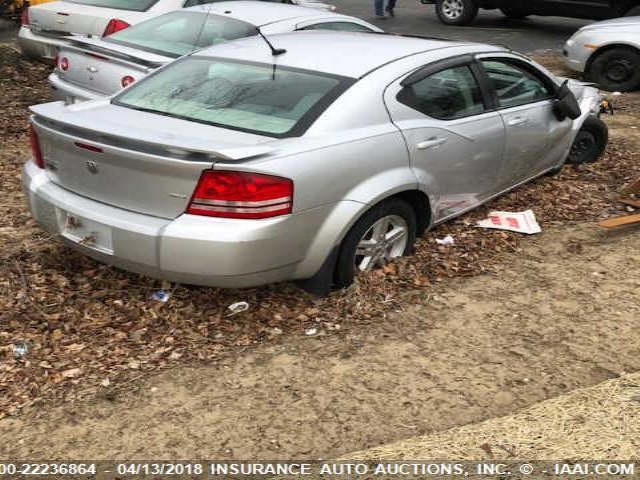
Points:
[521,222]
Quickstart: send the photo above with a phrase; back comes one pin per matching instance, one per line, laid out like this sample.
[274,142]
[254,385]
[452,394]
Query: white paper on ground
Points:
[522,222]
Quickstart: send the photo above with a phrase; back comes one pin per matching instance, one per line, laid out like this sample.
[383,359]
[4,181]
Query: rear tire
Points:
[616,69]
[589,143]
[514,13]
[350,257]
[456,12]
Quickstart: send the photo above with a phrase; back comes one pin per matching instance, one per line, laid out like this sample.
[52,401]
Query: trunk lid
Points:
[63,18]
[134,160]
[100,66]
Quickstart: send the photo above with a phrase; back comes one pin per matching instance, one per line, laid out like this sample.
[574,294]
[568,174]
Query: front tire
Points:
[514,13]
[456,12]
[617,69]
[589,143]
[385,232]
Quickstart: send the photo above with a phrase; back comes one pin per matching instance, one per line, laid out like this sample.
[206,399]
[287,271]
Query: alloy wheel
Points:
[452,9]
[386,239]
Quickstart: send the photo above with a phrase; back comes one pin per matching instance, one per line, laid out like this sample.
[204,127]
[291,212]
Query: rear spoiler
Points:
[72,121]
[114,50]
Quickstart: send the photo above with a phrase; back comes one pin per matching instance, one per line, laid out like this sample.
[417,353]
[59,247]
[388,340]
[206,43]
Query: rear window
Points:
[178,33]
[133,5]
[257,98]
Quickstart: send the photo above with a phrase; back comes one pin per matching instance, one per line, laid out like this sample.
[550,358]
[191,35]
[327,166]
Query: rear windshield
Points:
[178,33]
[257,98]
[134,5]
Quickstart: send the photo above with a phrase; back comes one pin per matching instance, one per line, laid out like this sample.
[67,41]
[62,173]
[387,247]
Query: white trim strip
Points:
[223,203]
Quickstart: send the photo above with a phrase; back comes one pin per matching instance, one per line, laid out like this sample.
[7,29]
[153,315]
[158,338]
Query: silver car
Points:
[45,27]
[93,68]
[607,53]
[309,158]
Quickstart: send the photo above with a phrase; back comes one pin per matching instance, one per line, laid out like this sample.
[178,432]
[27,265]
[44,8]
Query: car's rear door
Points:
[524,97]
[455,142]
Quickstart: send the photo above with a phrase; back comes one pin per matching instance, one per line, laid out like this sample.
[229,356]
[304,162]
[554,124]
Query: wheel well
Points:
[420,203]
[606,48]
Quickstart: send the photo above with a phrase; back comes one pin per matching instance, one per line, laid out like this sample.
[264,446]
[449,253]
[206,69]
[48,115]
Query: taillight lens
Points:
[114,26]
[229,194]
[24,17]
[63,64]
[127,80]
[35,147]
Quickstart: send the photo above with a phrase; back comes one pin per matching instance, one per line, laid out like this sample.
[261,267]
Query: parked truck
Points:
[463,12]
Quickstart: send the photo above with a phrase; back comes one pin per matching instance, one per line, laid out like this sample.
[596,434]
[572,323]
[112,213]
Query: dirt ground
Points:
[602,421]
[419,348]
[560,315]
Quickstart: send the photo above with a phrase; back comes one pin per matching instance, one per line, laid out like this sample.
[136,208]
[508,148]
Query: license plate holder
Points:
[85,232]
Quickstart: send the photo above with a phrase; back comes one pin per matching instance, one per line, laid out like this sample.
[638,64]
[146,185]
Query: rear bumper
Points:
[70,93]
[41,47]
[189,249]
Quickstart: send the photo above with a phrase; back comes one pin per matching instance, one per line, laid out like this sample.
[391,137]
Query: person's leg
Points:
[391,4]
[379,6]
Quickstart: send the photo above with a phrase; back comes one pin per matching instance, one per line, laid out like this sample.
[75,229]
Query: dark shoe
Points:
[380,17]
[391,12]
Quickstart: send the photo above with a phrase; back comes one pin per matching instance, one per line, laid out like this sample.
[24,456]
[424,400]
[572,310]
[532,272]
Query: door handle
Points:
[517,121]
[431,143]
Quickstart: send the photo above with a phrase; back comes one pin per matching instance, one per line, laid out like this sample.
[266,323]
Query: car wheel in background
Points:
[589,143]
[633,12]
[514,12]
[385,232]
[616,69]
[456,12]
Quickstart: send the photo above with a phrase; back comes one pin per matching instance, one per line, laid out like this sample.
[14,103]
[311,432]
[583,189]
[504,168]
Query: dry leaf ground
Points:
[91,329]
[559,315]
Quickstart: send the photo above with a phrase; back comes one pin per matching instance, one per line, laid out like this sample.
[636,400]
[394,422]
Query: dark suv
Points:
[463,12]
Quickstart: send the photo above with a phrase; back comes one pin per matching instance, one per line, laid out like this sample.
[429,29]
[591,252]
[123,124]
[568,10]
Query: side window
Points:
[448,94]
[514,85]
[193,3]
[338,26]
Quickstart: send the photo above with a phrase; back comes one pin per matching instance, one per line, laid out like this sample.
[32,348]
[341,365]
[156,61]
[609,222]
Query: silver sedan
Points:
[48,26]
[607,53]
[311,158]
[93,68]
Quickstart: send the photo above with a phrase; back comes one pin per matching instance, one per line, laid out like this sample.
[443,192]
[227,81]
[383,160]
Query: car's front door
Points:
[524,96]
[455,142]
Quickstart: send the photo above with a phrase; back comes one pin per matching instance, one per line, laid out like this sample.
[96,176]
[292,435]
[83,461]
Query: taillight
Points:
[114,26]
[24,17]
[127,80]
[63,63]
[228,194]
[35,147]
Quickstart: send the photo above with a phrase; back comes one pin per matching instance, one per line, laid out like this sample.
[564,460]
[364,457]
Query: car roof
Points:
[261,13]
[349,54]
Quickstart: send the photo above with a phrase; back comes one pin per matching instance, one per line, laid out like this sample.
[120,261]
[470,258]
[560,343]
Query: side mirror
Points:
[566,104]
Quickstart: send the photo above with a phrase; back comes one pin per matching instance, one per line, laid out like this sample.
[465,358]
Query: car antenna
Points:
[274,51]
[204,23]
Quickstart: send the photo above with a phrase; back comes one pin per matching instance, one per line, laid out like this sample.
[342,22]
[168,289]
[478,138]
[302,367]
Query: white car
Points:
[607,53]
[94,68]
[45,26]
